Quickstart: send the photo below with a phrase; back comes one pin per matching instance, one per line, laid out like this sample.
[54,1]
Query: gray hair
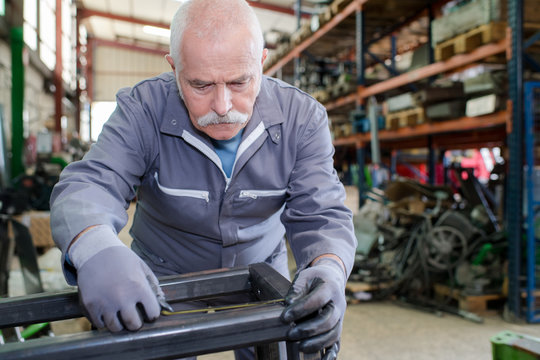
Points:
[210,18]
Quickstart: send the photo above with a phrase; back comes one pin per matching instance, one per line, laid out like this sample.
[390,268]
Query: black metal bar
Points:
[530,41]
[266,283]
[27,257]
[390,69]
[207,283]
[6,253]
[168,338]
[394,27]
[531,62]
[483,199]
[63,305]
[38,308]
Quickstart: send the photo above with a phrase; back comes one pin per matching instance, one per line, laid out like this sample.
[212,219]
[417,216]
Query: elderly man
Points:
[224,163]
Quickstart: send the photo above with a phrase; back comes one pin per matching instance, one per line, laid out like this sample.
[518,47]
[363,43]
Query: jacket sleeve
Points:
[315,217]
[98,188]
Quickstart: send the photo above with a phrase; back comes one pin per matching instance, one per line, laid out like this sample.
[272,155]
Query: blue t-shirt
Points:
[226,150]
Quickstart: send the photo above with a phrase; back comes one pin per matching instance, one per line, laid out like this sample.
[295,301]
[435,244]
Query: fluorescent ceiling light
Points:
[153,30]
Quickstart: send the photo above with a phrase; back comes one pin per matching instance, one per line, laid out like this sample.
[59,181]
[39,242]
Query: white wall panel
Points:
[39,108]
[115,68]
[5,88]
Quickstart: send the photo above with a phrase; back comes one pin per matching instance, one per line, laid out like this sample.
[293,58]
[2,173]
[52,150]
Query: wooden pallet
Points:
[342,130]
[405,118]
[338,5]
[354,287]
[470,40]
[38,223]
[479,304]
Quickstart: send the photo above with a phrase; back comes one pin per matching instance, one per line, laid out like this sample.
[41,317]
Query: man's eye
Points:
[202,86]
[239,84]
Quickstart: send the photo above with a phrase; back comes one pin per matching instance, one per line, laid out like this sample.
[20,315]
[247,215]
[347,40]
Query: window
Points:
[47,32]
[39,32]
[69,44]
[30,24]
[101,111]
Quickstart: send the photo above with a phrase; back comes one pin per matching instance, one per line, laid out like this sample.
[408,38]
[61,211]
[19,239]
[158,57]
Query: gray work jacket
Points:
[190,216]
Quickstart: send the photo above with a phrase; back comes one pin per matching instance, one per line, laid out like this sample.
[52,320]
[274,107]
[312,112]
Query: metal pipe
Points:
[170,336]
[167,338]
[63,305]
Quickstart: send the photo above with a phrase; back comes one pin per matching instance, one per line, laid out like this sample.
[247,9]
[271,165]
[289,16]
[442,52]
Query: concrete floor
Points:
[386,331]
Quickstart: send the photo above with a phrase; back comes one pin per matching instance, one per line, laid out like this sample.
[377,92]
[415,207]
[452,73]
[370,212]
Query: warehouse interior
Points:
[433,108]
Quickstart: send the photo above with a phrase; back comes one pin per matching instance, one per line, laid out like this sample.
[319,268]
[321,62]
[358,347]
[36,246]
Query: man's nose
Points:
[222,103]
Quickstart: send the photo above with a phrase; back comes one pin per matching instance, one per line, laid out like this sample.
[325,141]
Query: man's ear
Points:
[170,61]
[264,55]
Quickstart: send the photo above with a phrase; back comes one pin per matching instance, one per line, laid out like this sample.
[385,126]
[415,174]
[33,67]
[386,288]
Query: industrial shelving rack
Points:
[532,141]
[502,128]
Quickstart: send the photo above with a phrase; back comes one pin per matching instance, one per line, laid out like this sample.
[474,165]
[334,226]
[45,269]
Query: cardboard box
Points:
[38,222]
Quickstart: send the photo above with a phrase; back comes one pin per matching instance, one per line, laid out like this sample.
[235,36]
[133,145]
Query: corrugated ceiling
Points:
[161,12]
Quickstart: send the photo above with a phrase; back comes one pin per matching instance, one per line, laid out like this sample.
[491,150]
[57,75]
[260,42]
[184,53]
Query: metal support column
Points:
[79,71]
[432,161]
[298,13]
[360,68]
[360,158]
[532,140]
[393,45]
[514,186]
[432,153]
[58,83]
[17,101]
[360,81]
[431,53]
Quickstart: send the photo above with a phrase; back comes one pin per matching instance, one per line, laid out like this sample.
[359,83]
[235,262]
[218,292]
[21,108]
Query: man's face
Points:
[219,82]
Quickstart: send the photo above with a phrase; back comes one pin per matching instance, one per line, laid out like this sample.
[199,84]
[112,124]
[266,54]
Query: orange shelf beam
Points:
[500,118]
[345,100]
[422,73]
[336,19]
[435,69]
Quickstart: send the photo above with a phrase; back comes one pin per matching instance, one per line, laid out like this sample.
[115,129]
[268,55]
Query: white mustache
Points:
[232,117]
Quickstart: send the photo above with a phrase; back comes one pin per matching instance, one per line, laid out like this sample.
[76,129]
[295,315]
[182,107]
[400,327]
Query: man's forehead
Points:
[225,68]
[234,40]
[207,78]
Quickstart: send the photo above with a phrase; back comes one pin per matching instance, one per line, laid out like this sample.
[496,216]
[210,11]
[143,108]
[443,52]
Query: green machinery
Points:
[508,345]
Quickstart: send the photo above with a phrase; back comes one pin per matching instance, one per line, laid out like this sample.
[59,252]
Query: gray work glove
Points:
[316,304]
[117,289]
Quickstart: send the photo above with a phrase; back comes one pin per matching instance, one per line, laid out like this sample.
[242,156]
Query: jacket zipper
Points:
[254,194]
[198,194]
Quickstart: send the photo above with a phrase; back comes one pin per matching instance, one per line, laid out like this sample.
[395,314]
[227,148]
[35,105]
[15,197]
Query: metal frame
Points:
[514,178]
[170,336]
[532,310]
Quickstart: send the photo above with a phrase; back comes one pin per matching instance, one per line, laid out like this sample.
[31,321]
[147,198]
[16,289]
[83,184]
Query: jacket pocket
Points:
[198,194]
[255,194]
[258,204]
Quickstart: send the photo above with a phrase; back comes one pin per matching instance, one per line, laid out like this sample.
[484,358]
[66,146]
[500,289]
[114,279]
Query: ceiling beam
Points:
[86,13]
[134,47]
[83,13]
[280,9]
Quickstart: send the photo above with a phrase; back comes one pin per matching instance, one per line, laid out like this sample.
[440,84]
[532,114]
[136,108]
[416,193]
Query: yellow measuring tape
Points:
[219,308]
